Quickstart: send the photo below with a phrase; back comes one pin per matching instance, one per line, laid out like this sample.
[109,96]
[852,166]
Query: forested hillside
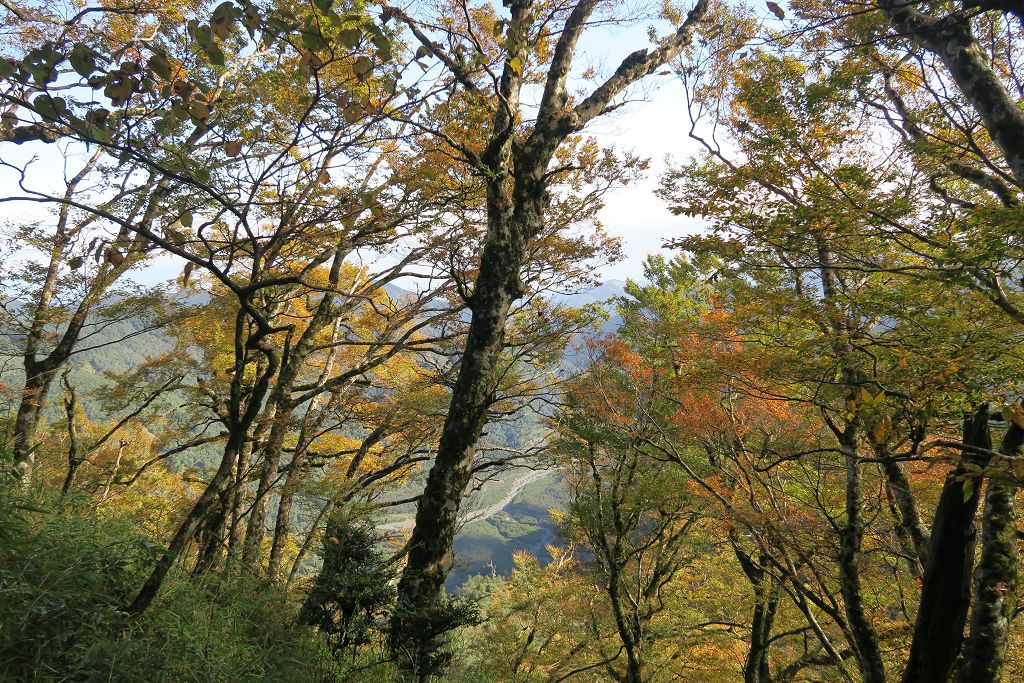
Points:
[312,366]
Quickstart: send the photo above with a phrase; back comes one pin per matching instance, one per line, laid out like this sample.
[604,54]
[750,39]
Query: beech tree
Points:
[51,305]
[514,160]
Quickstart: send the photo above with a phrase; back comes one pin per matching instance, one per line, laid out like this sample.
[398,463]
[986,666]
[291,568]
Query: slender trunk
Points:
[862,635]
[185,531]
[257,526]
[213,535]
[755,667]
[242,415]
[912,555]
[766,604]
[74,446]
[997,576]
[280,405]
[310,424]
[865,639]
[238,499]
[946,590]
[903,497]
[113,470]
[39,373]
[630,644]
[282,525]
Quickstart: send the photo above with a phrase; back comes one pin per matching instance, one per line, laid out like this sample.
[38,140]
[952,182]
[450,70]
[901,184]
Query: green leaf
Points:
[222,20]
[199,111]
[82,59]
[159,65]
[204,35]
[49,107]
[215,54]
[362,68]
[350,37]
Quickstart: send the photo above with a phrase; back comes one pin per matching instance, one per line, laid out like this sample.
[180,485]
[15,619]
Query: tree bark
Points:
[997,576]
[766,604]
[242,414]
[74,445]
[910,518]
[40,370]
[864,636]
[430,549]
[951,39]
[946,589]
[239,496]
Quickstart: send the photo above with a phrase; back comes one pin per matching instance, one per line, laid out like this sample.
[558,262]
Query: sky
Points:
[656,129]
[654,125]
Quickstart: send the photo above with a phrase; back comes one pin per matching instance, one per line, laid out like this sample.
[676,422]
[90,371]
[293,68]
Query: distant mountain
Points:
[609,289]
[483,545]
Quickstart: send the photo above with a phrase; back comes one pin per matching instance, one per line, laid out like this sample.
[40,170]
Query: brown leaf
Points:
[114,257]
[186,272]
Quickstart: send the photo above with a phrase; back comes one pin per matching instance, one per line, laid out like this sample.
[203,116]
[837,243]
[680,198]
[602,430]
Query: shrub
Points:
[63,584]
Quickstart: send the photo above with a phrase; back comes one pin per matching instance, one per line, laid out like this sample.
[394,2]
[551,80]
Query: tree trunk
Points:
[39,373]
[909,517]
[26,422]
[257,526]
[516,172]
[997,576]
[242,415]
[185,532]
[282,525]
[766,604]
[238,499]
[865,639]
[951,40]
[214,532]
[946,590]
[430,547]
[74,446]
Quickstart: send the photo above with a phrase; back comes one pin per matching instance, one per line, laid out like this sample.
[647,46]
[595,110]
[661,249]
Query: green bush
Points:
[64,581]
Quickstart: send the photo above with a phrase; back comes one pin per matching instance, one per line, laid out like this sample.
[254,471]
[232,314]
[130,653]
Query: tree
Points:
[514,162]
[853,278]
[53,307]
[233,196]
[624,510]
